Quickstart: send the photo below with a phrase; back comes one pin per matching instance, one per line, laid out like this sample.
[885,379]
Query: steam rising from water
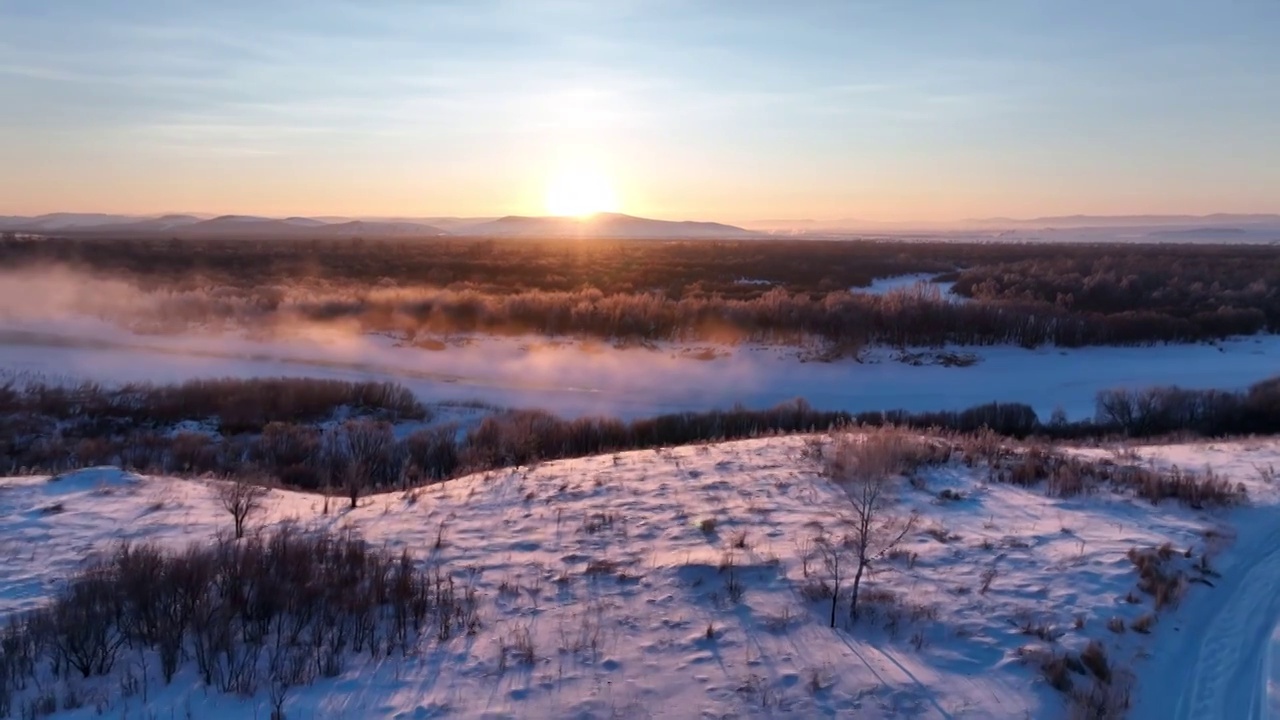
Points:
[64,323]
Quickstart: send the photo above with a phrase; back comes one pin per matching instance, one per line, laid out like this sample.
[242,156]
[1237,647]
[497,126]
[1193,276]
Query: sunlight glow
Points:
[580,191]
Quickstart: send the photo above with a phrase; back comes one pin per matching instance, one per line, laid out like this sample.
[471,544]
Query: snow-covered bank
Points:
[635,550]
[573,378]
[1215,657]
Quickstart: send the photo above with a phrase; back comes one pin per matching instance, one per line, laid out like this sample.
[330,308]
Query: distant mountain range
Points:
[1216,220]
[1217,228]
[602,225]
[610,225]
[1221,227]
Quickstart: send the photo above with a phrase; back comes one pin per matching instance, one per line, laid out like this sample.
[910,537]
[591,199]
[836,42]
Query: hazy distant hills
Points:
[65,221]
[1216,228]
[232,225]
[1219,228]
[603,225]
[1217,220]
[222,226]
[610,225]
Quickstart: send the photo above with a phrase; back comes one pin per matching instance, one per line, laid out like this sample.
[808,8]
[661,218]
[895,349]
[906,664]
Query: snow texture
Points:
[656,632]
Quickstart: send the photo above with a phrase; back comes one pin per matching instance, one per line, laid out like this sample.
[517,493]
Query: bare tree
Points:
[355,478]
[372,456]
[867,469]
[1135,411]
[241,498]
[85,634]
[833,553]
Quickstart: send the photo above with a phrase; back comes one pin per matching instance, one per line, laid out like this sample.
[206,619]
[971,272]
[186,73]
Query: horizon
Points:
[835,224]
[828,112]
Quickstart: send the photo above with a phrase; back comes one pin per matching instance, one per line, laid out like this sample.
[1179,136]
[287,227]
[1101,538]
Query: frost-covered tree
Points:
[867,468]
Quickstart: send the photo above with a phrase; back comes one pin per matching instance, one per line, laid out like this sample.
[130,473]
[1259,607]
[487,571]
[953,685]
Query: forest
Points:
[769,290]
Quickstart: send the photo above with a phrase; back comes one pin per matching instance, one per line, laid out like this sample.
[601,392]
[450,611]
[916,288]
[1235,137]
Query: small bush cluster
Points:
[1159,575]
[274,611]
[1069,476]
[887,451]
[1093,686]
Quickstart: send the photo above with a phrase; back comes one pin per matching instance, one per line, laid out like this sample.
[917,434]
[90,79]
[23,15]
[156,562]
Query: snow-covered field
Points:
[626,594]
[572,378]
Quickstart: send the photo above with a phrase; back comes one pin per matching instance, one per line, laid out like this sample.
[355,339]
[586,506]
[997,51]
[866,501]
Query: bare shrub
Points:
[888,451]
[1191,489]
[433,453]
[81,626]
[301,602]
[988,576]
[601,566]
[240,498]
[1157,575]
[1101,700]
[192,452]
[940,533]
[362,455]
[1094,658]
[598,522]
[1266,473]
[734,588]
[522,646]
[1143,623]
[1056,671]
[290,452]
[1040,628]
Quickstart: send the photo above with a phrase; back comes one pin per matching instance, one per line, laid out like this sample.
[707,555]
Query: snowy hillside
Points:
[684,583]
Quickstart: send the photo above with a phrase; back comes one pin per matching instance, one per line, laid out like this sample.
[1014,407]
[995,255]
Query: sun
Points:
[580,191]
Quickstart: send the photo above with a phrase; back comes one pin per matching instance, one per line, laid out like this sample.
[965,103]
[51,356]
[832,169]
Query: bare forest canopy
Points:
[761,289]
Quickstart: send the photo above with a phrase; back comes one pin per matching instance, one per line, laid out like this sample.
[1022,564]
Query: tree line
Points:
[365,454]
[769,289]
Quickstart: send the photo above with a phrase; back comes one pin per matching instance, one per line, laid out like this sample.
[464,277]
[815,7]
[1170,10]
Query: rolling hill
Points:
[604,225]
[607,225]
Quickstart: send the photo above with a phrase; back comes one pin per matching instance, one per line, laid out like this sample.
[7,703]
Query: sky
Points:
[729,110]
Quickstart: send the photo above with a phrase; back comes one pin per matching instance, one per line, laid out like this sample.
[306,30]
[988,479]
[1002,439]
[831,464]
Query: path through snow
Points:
[1216,657]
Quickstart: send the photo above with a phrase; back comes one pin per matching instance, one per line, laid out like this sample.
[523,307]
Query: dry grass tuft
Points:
[885,451]
[1143,623]
[1156,575]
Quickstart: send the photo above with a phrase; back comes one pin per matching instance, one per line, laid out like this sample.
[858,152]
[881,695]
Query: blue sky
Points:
[729,110]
